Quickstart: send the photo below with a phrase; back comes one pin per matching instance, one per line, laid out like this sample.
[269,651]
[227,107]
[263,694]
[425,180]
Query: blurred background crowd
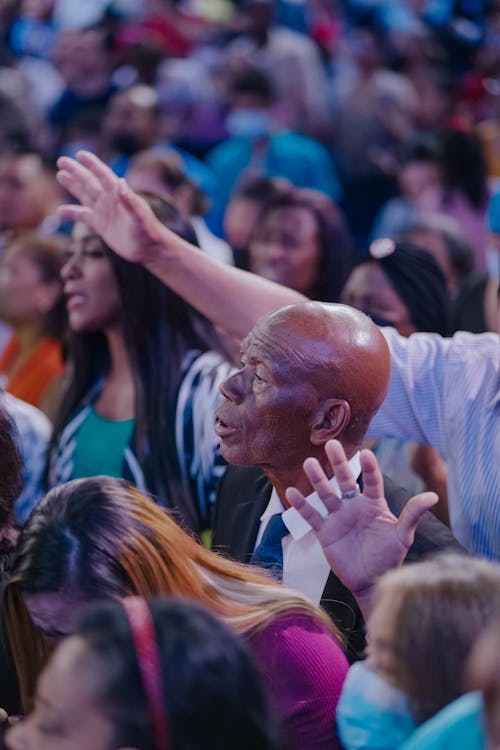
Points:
[348,150]
[385,113]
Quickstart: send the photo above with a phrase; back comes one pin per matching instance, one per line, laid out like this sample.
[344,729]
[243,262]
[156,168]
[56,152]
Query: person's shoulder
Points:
[300,632]
[306,647]
[303,145]
[234,147]
[459,724]
[29,420]
[462,344]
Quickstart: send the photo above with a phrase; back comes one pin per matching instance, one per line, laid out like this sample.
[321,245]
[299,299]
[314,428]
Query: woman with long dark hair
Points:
[144,374]
[301,241]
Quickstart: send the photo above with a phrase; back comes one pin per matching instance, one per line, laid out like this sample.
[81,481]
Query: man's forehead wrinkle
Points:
[289,346]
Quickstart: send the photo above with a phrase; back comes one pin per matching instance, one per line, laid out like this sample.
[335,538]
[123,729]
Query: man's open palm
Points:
[360,536]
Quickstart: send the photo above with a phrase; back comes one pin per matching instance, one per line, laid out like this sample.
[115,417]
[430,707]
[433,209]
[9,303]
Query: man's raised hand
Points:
[360,536]
[108,206]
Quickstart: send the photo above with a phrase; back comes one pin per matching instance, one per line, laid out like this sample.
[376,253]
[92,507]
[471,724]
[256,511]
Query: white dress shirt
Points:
[445,392]
[305,567]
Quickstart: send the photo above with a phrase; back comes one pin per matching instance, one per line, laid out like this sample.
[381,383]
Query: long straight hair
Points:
[101,538]
[159,329]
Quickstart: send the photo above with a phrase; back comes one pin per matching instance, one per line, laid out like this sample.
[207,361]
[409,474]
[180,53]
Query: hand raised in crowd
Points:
[360,536]
[111,208]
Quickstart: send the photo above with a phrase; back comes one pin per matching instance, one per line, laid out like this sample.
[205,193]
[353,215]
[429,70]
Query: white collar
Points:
[294,522]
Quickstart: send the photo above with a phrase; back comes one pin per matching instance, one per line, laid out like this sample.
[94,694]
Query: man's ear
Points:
[330,420]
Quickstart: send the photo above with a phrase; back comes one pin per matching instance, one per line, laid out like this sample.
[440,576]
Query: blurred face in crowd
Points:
[83,60]
[418,177]
[131,122]
[89,283]
[240,220]
[67,712]
[27,192]
[368,289]
[24,295]
[147,179]
[285,248]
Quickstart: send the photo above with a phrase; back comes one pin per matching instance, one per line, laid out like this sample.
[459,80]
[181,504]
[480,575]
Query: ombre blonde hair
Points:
[101,537]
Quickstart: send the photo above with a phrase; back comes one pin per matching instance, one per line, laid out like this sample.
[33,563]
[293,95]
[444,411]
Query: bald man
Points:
[310,372]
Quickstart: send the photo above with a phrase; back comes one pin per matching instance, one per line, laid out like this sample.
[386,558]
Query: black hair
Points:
[458,247]
[10,486]
[418,280]
[10,467]
[463,166]
[423,147]
[335,244]
[212,690]
[261,188]
[160,328]
[253,82]
[64,546]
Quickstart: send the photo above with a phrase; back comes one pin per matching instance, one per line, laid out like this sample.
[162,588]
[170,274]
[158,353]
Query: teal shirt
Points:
[100,446]
[300,159]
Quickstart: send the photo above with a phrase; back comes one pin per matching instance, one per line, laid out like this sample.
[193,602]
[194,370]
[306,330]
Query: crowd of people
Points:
[250,374]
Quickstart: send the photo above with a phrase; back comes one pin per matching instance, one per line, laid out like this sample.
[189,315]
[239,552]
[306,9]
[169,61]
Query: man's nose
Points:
[231,388]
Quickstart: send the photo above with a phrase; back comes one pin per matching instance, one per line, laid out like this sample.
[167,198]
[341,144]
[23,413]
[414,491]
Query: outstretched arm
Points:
[231,298]
[361,537]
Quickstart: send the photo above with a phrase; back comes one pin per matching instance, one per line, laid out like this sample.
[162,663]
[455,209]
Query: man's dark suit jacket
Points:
[243,495]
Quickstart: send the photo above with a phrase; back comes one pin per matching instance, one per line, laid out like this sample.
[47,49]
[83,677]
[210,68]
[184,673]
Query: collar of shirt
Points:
[292,519]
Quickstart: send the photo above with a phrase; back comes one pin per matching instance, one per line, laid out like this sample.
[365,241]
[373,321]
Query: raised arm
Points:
[231,298]
[360,536]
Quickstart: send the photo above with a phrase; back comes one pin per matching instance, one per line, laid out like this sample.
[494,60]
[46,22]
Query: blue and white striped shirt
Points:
[446,393]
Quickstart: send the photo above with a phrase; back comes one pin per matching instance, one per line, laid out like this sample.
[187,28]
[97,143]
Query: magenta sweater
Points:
[304,669]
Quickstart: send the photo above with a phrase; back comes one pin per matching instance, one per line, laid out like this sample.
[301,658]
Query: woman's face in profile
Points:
[67,711]
[24,295]
[368,289]
[285,248]
[89,283]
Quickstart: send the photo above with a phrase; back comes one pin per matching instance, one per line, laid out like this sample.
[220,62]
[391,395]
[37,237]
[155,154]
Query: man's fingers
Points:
[412,513]
[320,484]
[107,178]
[373,481]
[340,466]
[308,513]
[133,202]
[73,212]
[78,181]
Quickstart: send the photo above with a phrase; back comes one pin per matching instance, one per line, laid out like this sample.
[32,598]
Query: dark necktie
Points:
[269,552]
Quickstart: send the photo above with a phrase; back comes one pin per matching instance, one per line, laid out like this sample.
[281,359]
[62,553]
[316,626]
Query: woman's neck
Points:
[117,398]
